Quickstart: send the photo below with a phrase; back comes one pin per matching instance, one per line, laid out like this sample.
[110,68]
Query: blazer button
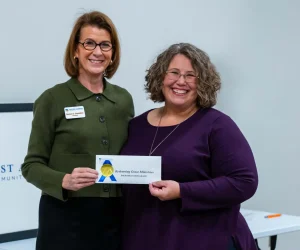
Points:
[102,119]
[98,98]
[105,188]
[104,141]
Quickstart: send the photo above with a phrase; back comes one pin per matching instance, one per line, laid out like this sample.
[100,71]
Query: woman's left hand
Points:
[165,190]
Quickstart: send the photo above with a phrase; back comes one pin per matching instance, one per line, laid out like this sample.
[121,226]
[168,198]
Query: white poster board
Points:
[19,200]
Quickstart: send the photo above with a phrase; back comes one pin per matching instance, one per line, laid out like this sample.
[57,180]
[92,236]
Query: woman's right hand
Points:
[79,178]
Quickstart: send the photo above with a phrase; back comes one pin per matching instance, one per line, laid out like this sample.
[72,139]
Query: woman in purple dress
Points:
[208,168]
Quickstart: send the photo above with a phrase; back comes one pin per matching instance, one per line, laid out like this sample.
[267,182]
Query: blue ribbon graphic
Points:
[107,165]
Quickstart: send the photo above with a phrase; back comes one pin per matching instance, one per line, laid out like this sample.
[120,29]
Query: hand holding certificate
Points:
[121,169]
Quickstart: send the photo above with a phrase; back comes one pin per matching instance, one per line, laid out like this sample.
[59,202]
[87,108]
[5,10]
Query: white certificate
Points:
[123,169]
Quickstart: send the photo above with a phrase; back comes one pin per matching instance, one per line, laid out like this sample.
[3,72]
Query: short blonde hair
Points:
[101,21]
[209,82]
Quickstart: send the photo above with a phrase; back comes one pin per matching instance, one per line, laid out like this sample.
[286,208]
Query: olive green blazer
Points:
[58,145]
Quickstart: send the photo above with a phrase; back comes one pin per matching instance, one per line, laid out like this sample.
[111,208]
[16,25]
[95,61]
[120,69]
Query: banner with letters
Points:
[19,199]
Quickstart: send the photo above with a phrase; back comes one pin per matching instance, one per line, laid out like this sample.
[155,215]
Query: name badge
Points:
[74,112]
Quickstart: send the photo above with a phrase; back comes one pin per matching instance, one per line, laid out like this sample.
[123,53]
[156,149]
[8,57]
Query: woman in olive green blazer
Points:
[73,122]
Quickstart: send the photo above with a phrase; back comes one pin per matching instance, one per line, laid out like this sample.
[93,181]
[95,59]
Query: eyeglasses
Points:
[174,75]
[91,45]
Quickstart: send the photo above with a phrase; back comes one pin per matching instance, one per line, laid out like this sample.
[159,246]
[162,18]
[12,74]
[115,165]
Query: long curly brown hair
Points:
[209,81]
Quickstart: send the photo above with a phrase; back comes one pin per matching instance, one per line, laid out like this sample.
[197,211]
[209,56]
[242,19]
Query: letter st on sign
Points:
[6,168]
[10,172]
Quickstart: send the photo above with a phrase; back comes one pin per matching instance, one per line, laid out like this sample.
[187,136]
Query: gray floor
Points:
[19,245]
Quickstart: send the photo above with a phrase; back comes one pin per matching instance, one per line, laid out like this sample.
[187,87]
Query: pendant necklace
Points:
[151,151]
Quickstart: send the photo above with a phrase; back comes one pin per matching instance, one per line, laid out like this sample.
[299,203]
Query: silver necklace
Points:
[151,151]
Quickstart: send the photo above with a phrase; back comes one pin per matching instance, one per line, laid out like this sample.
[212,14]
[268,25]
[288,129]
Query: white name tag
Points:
[74,112]
[122,169]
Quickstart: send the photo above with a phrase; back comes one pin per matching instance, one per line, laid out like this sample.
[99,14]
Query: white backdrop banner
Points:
[19,200]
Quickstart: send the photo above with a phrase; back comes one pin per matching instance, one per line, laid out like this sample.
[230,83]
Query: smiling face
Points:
[92,63]
[180,93]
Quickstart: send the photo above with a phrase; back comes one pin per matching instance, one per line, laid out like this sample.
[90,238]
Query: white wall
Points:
[262,94]
[254,44]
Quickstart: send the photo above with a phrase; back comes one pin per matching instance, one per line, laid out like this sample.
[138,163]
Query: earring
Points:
[110,62]
[75,58]
[104,73]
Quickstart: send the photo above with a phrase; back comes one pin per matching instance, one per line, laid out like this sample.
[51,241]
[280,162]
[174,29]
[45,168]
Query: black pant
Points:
[79,224]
